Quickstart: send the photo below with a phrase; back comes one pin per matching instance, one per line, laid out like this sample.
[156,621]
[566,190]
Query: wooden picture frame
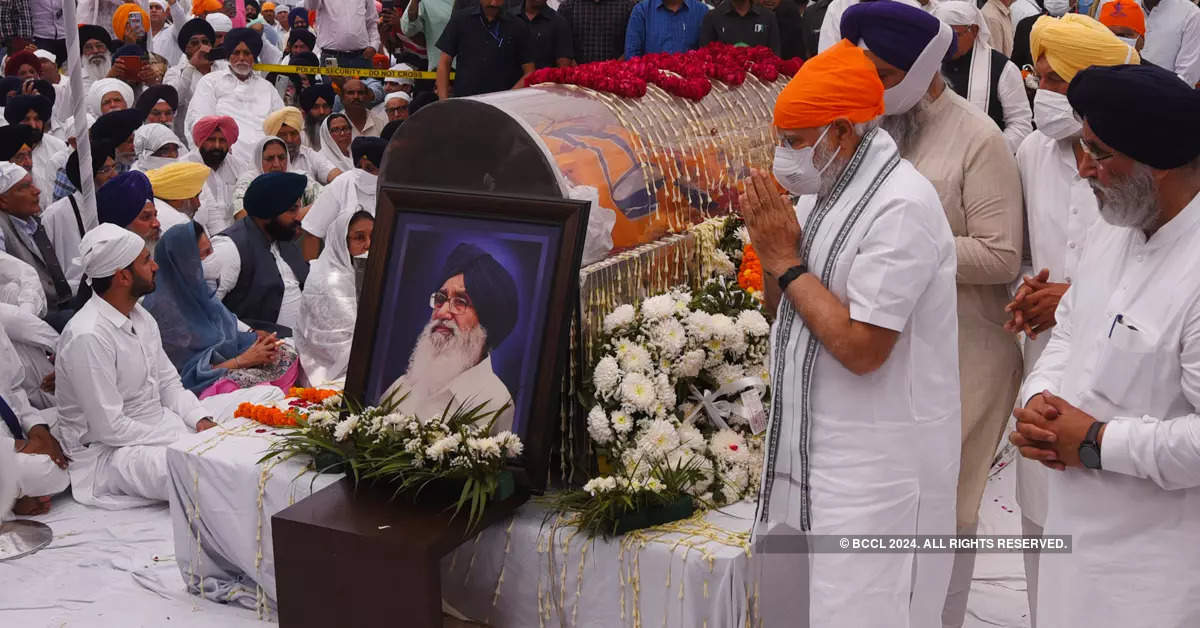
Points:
[400,210]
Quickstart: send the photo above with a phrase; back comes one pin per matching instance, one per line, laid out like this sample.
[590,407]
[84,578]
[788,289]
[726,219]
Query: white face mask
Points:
[1129,41]
[212,270]
[795,170]
[1054,115]
[1057,8]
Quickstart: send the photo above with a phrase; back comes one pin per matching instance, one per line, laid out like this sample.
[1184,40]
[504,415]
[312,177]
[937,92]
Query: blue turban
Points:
[1143,111]
[273,193]
[13,137]
[247,36]
[121,199]
[491,289]
[369,147]
[18,106]
[117,126]
[896,32]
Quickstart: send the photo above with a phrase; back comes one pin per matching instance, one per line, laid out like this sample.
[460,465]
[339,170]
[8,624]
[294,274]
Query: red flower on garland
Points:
[685,75]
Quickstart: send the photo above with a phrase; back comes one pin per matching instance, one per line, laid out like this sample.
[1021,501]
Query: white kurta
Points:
[120,403]
[1060,210]
[473,386]
[22,303]
[831,25]
[229,261]
[216,197]
[312,163]
[1134,524]
[328,309]
[351,191]
[249,102]
[169,216]
[48,156]
[879,451]
[62,227]
[1173,39]
[37,475]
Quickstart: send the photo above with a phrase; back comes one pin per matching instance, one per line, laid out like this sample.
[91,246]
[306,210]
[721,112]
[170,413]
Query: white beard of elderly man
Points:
[474,310]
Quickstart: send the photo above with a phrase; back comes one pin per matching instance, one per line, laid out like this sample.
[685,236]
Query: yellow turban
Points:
[290,116]
[121,19]
[838,83]
[178,181]
[1075,42]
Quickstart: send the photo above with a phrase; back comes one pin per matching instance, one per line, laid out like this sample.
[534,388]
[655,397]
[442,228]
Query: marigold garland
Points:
[750,275]
[311,395]
[267,415]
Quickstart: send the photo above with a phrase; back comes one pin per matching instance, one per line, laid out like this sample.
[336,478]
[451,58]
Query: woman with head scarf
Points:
[336,135]
[330,302]
[213,352]
[156,146]
[270,155]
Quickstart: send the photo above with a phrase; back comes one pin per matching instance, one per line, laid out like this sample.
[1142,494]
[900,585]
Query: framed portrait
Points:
[467,299]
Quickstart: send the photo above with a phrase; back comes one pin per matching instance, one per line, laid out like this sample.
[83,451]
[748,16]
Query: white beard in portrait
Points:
[97,66]
[438,359]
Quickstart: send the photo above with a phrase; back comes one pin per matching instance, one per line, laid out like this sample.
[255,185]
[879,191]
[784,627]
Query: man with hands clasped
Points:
[1113,403]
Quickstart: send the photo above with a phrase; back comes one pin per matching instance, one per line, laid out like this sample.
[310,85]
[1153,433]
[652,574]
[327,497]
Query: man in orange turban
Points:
[864,426]
[1126,20]
[130,30]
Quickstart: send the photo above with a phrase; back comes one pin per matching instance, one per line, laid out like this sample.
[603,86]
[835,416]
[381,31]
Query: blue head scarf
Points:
[197,330]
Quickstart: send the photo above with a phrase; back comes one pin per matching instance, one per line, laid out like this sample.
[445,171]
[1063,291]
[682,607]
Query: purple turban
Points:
[121,199]
[896,32]
[490,287]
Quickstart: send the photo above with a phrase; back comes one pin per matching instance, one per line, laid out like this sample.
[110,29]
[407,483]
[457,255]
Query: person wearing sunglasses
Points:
[472,311]
[1060,210]
[1112,406]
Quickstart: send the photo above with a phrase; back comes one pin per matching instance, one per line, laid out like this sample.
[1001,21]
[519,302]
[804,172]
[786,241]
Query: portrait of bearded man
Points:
[473,310]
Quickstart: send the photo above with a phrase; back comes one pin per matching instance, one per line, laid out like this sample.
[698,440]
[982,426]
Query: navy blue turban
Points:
[193,27]
[273,193]
[18,106]
[100,153]
[89,32]
[491,289]
[309,96]
[1143,111]
[247,36]
[155,93]
[13,137]
[369,147]
[115,127]
[121,199]
[896,32]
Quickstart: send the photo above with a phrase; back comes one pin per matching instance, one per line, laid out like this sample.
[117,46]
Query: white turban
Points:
[108,248]
[400,67]
[151,137]
[10,175]
[964,13]
[398,96]
[103,86]
[44,54]
[220,22]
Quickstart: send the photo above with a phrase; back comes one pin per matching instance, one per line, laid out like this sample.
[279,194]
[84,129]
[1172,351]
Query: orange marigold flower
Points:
[750,275]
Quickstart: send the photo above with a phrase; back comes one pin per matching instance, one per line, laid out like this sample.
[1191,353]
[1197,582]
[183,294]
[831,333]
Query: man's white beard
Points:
[242,70]
[436,360]
[97,67]
[1130,202]
[904,127]
[830,177]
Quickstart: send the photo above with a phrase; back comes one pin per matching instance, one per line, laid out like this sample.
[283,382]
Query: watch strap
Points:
[790,275]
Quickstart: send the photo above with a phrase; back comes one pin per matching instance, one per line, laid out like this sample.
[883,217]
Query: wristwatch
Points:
[1089,449]
[790,275]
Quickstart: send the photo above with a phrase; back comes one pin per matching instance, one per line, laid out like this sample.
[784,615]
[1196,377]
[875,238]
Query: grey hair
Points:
[862,128]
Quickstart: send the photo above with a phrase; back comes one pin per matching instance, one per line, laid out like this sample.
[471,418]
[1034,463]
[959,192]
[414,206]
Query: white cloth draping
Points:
[22,303]
[149,138]
[328,308]
[310,162]
[49,156]
[353,190]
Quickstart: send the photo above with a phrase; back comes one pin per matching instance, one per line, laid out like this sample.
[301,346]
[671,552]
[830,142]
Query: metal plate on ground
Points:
[22,537]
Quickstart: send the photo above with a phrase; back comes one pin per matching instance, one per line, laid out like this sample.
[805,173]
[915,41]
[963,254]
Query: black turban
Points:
[152,95]
[304,58]
[297,15]
[44,88]
[115,127]
[369,147]
[121,199]
[1143,111]
[273,193]
[9,84]
[247,36]
[91,31]
[358,63]
[13,137]
[304,35]
[309,96]
[193,27]
[390,129]
[490,287]
[130,50]
[100,153]
[18,106]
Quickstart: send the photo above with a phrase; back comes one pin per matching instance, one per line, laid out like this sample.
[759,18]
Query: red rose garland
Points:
[685,75]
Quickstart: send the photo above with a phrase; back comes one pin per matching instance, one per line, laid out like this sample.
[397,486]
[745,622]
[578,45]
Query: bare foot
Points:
[30,506]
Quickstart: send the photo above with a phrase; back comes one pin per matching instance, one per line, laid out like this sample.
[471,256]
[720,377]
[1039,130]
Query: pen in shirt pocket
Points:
[1120,320]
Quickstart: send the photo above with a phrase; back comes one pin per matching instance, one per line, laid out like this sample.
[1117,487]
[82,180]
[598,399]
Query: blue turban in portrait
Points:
[490,287]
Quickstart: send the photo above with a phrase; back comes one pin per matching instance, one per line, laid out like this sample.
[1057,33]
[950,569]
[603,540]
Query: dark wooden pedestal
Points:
[346,558]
